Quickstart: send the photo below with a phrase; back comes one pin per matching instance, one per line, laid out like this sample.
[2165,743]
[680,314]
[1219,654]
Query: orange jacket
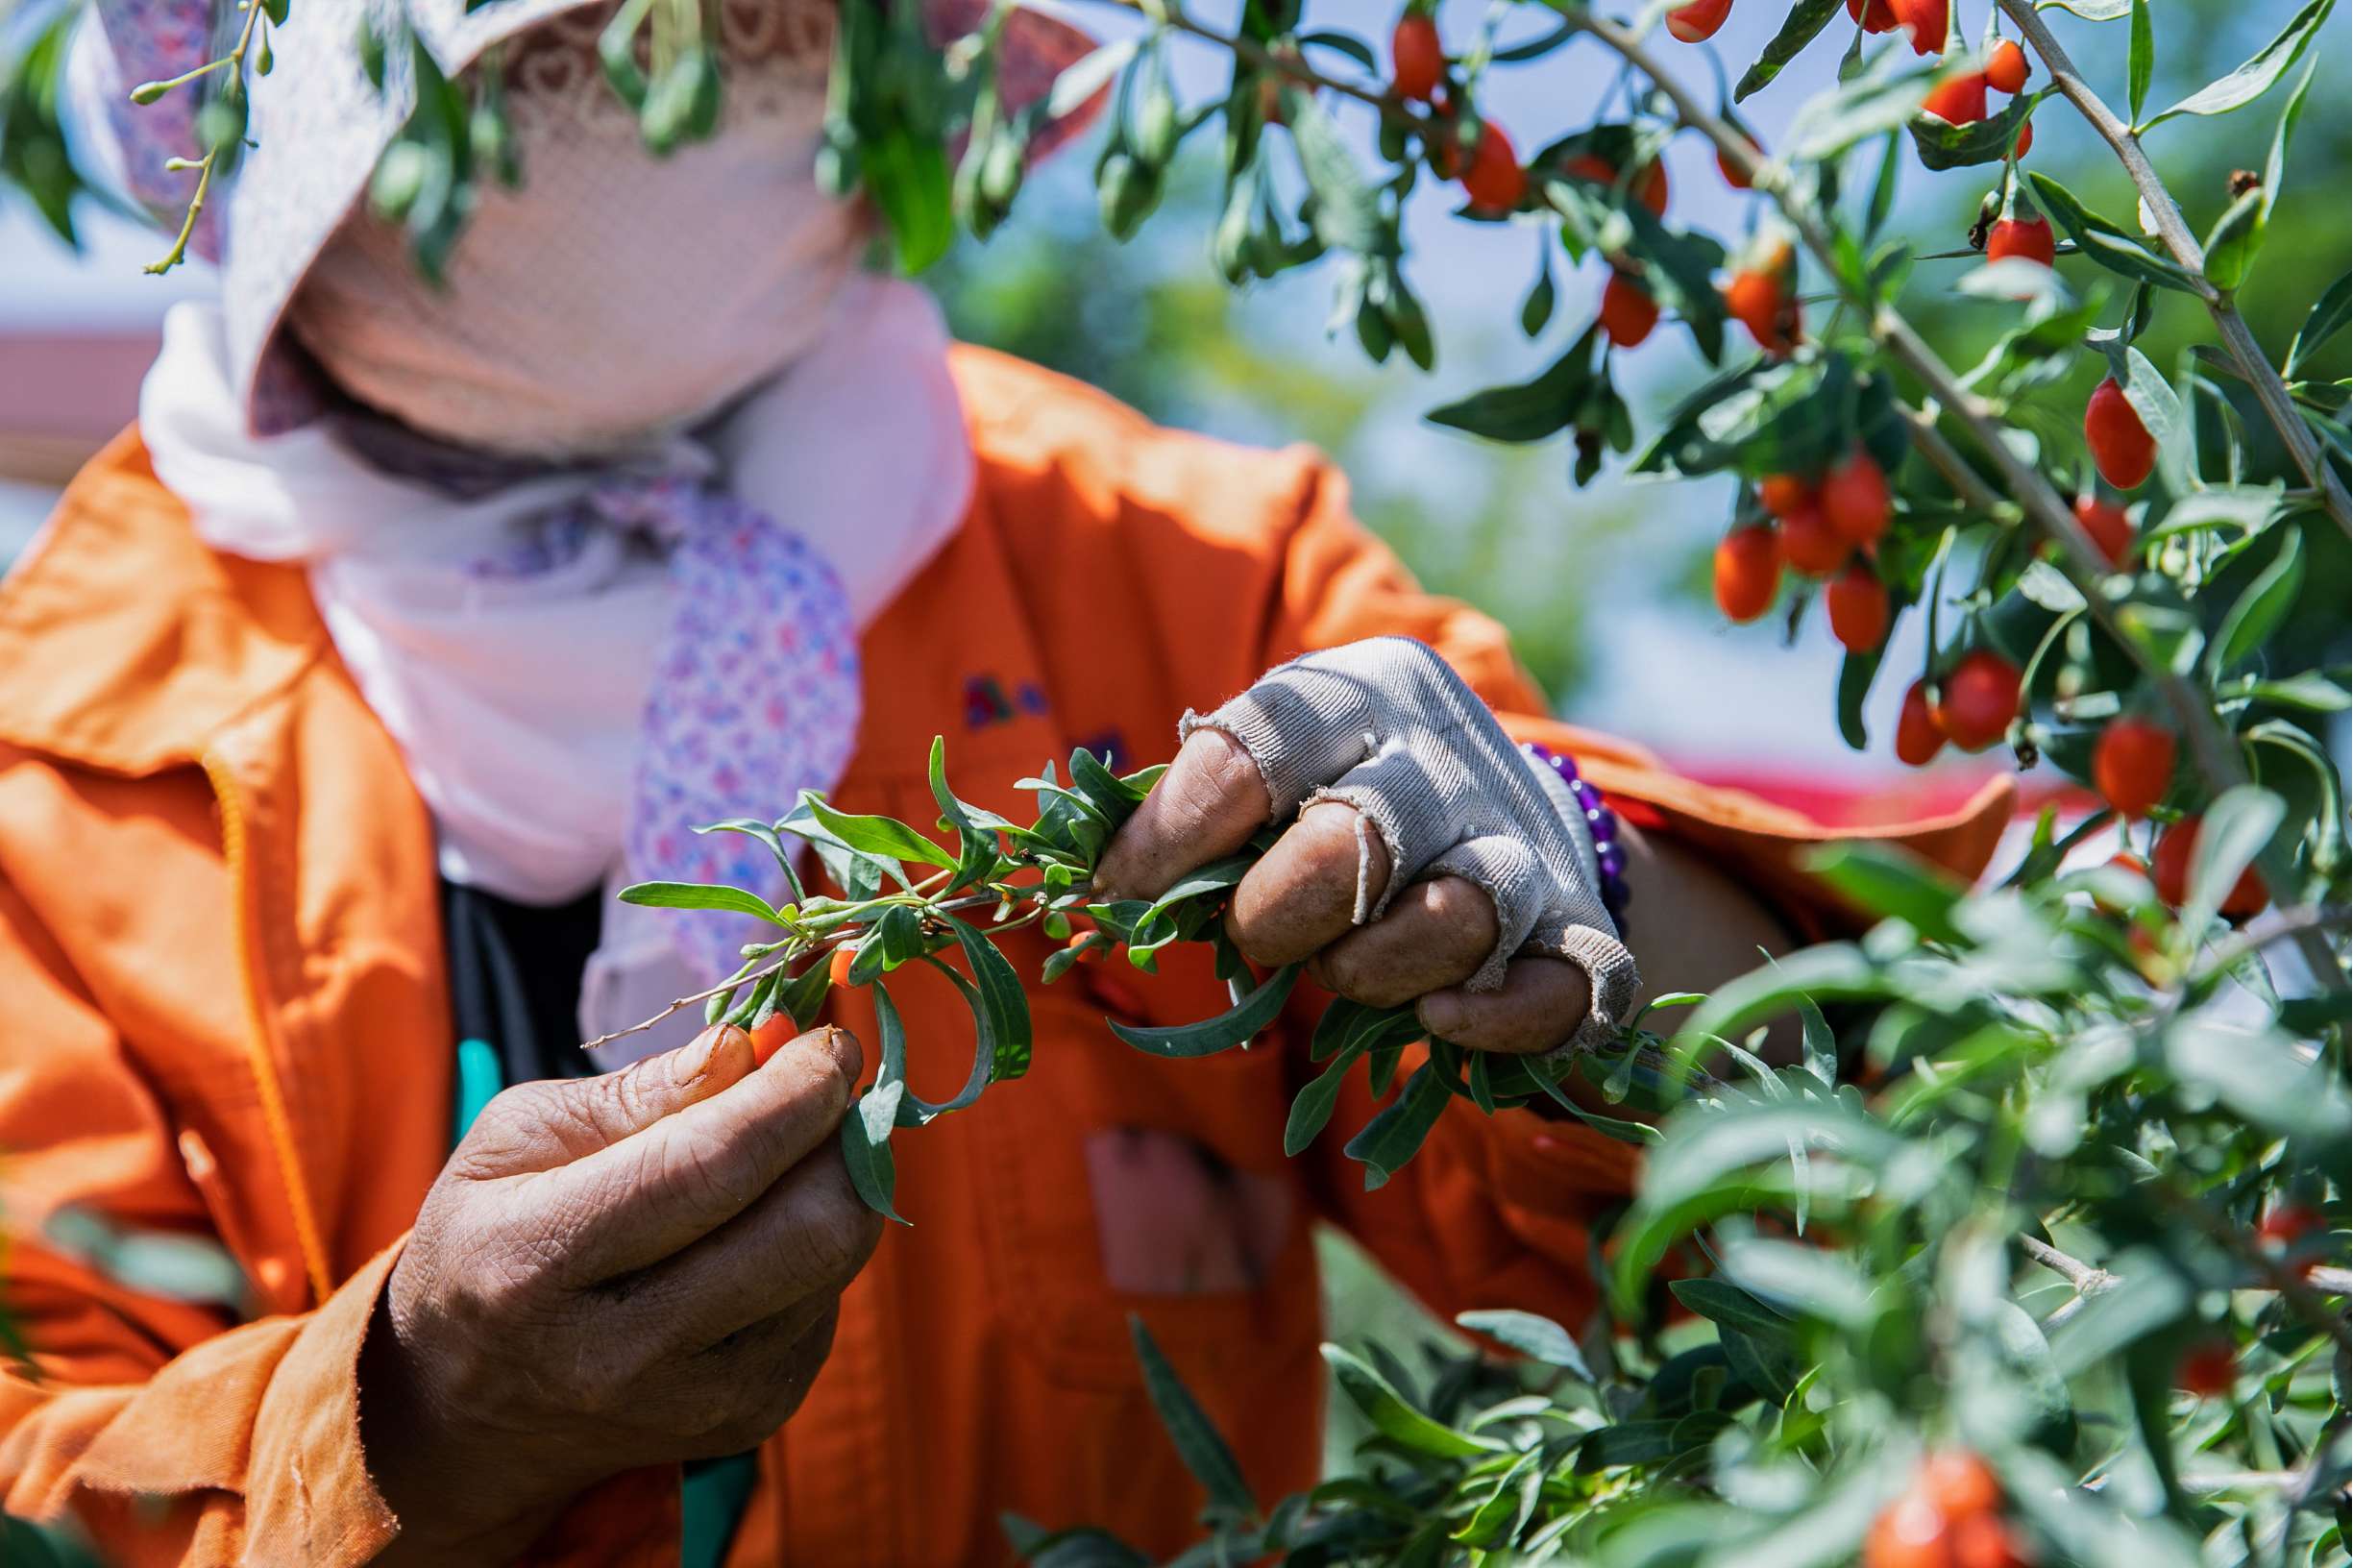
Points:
[226,1016]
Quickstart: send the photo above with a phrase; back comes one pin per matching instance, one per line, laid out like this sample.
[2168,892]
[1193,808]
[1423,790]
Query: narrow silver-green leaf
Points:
[1228,1029]
[701,895]
[1539,1339]
[1393,1418]
[2140,60]
[1198,1442]
[2253,79]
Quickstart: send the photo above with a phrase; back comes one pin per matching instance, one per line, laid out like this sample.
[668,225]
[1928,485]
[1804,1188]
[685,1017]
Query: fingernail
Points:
[1441,1013]
[691,1062]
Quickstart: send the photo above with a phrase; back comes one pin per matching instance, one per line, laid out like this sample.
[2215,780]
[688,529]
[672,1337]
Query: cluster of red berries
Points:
[1825,528]
[1491,175]
[1951,1518]
[1974,706]
[1960,100]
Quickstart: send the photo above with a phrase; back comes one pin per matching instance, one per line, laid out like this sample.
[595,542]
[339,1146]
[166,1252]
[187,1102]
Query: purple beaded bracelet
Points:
[1602,822]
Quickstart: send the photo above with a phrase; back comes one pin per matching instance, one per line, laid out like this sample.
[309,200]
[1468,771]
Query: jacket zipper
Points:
[274,1119]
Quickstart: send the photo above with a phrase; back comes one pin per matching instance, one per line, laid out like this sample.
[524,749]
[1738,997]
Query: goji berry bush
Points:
[2036,1252]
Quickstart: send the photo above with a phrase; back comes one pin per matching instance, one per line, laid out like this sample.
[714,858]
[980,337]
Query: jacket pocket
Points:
[1123,1184]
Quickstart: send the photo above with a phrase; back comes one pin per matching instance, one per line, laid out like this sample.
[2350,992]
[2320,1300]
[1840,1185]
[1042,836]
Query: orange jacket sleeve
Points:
[1495,1212]
[166,1434]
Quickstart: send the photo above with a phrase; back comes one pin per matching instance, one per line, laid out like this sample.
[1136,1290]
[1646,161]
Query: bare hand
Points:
[611,1272]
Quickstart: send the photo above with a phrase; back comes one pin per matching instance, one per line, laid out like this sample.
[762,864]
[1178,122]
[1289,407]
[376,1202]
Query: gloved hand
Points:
[1432,859]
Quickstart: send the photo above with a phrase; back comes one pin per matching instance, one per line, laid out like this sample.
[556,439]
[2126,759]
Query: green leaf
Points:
[1886,880]
[1396,1420]
[1805,20]
[1530,411]
[1821,1045]
[1538,1338]
[1003,1005]
[1198,1442]
[907,176]
[1214,877]
[1943,146]
[1346,43]
[1731,1307]
[2103,241]
[1707,1163]
[1856,674]
[1311,1107]
[975,829]
[1538,308]
[866,1147]
[861,875]
[1835,971]
[1239,1023]
[1883,186]
[879,835]
[2259,609]
[2231,833]
[2262,1077]
[2327,318]
[2235,238]
[2311,692]
[915,1111]
[896,937]
[1790,1278]
[1384,1144]
[2253,79]
[2140,60]
[801,998]
[1627,1443]
[701,895]
[1346,216]
[768,836]
[1884,94]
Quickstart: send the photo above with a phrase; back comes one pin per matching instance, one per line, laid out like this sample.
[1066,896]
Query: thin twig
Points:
[234,60]
[1266,60]
[820,951]
[2270,390]
[729,983]
[2274,925]
[2087,1280]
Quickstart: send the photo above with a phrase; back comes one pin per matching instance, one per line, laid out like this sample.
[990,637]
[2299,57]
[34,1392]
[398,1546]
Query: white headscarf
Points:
[520,677]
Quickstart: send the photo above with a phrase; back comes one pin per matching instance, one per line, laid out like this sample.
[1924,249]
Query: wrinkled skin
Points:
[1692,928]
[611,1272]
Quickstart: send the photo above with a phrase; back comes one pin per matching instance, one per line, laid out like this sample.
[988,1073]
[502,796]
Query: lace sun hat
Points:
[317,126]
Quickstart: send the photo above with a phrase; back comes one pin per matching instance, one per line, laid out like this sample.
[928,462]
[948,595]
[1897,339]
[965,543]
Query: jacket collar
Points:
[126,644]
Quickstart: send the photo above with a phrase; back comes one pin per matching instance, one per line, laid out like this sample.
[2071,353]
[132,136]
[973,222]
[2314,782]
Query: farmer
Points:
[411,620]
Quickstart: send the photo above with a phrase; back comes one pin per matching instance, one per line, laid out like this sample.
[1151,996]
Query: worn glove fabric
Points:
[1388,726]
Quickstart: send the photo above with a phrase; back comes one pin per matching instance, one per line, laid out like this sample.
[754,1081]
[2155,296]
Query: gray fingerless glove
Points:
[1388,726]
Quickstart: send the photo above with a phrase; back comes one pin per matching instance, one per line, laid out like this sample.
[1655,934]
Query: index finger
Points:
[638,1201]
[1204,808]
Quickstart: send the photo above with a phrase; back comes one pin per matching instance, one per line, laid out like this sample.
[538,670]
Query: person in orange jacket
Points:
[337,695]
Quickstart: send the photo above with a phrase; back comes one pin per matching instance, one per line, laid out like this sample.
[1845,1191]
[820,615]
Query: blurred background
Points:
[1605,589]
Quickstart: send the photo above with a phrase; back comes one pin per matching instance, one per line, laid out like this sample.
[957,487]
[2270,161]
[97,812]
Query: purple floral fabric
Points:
[755,694]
